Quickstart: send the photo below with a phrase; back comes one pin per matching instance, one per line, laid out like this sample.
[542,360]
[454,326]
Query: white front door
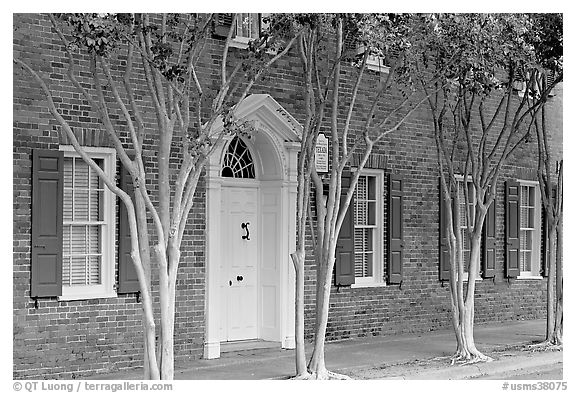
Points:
[239,263]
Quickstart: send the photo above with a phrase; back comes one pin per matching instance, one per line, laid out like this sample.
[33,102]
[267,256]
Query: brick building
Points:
[94,326]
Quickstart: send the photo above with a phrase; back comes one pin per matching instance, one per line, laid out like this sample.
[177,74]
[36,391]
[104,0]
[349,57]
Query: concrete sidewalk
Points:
[405,356]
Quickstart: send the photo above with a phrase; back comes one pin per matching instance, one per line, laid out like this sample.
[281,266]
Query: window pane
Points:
[372,213]
[359,263]
[67,204]
[66,242]
[95,181]
[78,240]
[368,265]
[80,173]
[93,273]
[81,204]
[78,271]
[66,271]
[96,199]
[531,217]
[363,250]
[93,240]
[360,212]
[68,172]
[372,188]
[361,188]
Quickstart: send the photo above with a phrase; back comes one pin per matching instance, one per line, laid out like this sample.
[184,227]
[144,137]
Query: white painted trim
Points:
[107,288]
[368,285]
[378,262]
[537,232]
[521,277]
[277,135]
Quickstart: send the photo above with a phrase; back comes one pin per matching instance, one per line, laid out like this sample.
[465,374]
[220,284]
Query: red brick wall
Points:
[72,339]
[79,338]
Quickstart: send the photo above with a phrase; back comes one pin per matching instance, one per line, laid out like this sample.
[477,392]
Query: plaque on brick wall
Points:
[321,156]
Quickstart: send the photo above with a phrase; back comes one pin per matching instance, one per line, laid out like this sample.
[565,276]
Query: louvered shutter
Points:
[512,257]
[545,244]
[47,216]
[489,242]
[344,264]
[127,278]
[444,258]
[222,24]
[395,228]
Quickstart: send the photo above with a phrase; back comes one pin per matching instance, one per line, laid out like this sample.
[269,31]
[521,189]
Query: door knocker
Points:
[247,235]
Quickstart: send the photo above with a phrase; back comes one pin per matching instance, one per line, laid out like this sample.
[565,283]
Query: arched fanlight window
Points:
[238,162]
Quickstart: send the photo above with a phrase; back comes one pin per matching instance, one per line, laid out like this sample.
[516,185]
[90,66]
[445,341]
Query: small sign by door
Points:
[321,156]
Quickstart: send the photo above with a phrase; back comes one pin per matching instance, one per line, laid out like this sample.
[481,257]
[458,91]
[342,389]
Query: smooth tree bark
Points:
[166,49]
[325,102]
[551,191]
[479,121]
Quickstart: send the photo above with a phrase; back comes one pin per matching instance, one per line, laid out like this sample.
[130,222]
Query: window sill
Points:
[368,285]
[88,296]
[239,42]
[242,43]
[375,66]
[529,278]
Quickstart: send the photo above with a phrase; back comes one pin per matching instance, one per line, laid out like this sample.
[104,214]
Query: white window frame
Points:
[106,288]
[374,63]
[534,273]
[239,41]
[460,179]
[378,237]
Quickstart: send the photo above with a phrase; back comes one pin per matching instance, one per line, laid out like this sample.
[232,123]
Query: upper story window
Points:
[238,162]
[88,227]
[368,263]
[248,27]
[374,62]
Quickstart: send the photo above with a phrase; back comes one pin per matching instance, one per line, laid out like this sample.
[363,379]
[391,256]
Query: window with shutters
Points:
[368,236]
[88,227]
[530,223]
[463,223]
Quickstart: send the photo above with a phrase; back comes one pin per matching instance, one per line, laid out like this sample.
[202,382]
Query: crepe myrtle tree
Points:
[331,45]
[549,48]
[551,191]
[479,121]
[166,50]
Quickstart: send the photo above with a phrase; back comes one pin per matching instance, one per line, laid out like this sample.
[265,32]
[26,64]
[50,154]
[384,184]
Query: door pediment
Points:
[268,115]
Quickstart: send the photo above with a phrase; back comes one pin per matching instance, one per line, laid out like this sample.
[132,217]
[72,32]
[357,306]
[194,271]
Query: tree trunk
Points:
[317,365]
[559,321]
[551,278]
[298,260]
[466,347]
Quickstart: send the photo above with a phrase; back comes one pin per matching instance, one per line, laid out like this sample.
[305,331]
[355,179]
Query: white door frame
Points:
[275,145]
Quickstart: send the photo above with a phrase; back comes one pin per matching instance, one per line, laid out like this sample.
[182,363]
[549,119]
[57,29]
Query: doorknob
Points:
[245,227]
[239,278]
